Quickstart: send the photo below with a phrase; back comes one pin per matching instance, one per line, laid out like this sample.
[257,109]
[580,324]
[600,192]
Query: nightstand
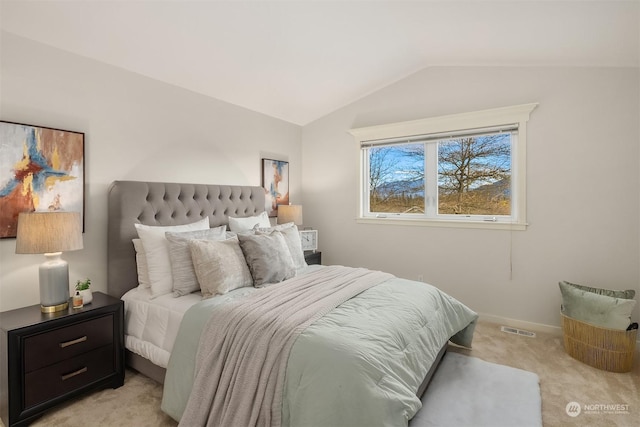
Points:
[47,359]
[312,257]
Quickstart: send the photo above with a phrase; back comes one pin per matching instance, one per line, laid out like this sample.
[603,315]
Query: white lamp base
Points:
[54,283]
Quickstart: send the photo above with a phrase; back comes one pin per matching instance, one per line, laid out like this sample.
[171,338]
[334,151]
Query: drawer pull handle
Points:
[72,342]
[73,374]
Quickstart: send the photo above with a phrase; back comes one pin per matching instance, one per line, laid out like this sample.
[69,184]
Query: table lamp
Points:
[50,233]
[290,213]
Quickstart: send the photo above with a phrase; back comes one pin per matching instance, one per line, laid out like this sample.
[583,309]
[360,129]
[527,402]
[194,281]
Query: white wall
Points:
[582,179]
[135,129]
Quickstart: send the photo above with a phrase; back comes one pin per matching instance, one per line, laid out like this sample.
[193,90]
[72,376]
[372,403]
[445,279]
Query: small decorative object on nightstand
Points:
[313,257]
[77,300]
[83,286]
[309,240]
[47,359]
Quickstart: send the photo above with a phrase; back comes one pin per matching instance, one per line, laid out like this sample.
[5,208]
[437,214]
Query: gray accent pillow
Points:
[627,294]
[184,276]
[600,310]
[268,257]
[219,265]
[292,238]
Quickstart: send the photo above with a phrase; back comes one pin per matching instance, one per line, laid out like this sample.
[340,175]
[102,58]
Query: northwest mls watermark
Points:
[573,409]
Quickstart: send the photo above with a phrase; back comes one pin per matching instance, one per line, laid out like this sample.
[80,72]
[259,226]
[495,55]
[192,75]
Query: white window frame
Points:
[517,115]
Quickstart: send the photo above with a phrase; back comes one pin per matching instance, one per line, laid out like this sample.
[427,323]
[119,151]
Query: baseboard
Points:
[532,326]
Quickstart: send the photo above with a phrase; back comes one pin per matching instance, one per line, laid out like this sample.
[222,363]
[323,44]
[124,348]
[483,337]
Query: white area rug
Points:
[466,391]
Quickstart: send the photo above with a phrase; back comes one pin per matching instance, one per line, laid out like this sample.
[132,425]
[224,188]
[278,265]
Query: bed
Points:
[151,353]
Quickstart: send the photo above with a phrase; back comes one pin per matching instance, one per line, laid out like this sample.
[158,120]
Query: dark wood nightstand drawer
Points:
[47,359]
[63,377]
[59,344]
[313,257]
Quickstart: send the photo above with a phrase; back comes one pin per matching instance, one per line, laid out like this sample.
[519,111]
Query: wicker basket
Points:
[608,349]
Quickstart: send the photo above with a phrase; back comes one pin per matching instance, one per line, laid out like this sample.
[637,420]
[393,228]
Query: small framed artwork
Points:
[41,169]
[275,181]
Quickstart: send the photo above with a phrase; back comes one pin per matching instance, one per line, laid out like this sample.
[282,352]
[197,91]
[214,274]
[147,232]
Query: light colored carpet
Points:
[467,391]
[562,380]
[136,403]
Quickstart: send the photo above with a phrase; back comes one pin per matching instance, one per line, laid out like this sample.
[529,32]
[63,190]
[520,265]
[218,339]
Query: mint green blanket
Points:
[361,364]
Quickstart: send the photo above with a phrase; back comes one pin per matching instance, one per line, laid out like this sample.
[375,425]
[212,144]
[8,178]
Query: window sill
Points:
[487,225]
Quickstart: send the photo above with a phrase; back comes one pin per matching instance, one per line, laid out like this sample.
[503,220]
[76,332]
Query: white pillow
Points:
[248,223]
[156,249]
[220,266]
[182,272]
[141,264]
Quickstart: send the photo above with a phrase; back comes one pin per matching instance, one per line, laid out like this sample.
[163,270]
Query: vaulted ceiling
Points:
[299,60]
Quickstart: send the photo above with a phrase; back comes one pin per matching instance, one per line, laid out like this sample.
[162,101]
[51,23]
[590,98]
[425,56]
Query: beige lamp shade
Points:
[290,213]
[48,232]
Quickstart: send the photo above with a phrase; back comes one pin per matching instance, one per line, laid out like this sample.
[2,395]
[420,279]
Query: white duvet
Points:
[151,325]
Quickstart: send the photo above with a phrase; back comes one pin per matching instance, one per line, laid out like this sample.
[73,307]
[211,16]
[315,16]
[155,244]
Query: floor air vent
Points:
[517,331]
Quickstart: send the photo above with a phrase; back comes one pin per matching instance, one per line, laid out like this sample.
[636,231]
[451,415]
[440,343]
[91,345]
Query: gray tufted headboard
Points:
[160,203]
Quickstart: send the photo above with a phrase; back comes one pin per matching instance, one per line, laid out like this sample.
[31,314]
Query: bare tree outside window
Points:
[396,179]
[464,170]
[474,175]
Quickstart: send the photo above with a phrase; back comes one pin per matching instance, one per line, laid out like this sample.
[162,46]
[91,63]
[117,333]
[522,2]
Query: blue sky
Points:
[406,164]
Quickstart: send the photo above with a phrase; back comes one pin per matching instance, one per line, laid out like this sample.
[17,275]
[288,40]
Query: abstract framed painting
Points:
[275,181]
[41,169]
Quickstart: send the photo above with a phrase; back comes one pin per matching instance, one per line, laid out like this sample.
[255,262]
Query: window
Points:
[459,170]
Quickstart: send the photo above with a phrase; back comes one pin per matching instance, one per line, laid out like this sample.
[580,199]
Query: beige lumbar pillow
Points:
[184,276]
[220,266]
